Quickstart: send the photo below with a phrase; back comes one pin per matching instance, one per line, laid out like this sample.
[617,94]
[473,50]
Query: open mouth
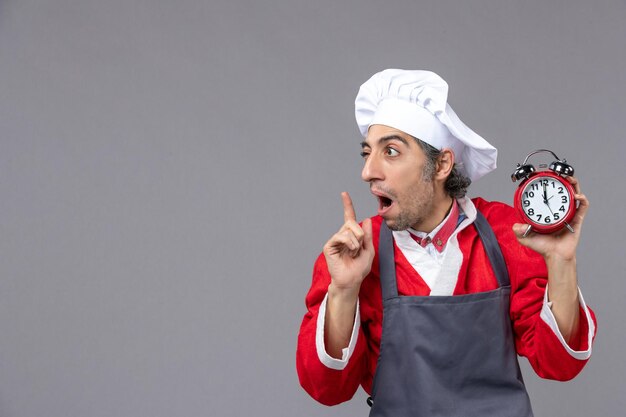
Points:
[385,202]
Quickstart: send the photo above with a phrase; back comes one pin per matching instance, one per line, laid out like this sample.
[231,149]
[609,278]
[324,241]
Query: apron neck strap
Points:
[386,262]
[490,243]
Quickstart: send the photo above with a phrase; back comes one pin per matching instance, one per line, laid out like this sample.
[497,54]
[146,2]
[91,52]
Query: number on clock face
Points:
[545,201]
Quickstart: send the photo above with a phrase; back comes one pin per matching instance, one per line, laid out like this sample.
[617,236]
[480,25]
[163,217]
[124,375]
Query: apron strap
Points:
[490,243]
[387,265]
[386,262]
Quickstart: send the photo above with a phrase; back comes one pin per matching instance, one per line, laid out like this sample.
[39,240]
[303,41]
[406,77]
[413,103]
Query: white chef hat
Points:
[415,102]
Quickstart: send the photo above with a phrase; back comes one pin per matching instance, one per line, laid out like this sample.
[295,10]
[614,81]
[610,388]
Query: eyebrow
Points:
[386,139]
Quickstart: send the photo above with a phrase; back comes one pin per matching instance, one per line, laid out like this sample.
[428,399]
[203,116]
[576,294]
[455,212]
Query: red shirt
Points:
[534,339]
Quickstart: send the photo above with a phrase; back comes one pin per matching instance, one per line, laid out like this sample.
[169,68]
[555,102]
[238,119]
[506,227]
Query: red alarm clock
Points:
[545,199]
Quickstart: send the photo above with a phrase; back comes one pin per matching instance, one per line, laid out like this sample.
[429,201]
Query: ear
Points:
[445,163]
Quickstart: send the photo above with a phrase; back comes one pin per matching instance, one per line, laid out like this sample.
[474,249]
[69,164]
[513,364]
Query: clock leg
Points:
[528,229]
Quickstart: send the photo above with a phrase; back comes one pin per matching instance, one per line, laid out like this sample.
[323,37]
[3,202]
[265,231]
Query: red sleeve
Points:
[534,338]
[326,385]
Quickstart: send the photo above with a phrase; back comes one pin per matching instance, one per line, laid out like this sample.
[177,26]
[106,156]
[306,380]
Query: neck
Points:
[440,209]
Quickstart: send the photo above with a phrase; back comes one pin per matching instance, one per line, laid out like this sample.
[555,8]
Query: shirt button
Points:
[439,242]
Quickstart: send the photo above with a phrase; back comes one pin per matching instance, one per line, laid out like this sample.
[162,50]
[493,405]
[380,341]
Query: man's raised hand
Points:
[349,252]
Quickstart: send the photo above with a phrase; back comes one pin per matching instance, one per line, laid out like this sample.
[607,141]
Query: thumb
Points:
[520,230]
[368,243]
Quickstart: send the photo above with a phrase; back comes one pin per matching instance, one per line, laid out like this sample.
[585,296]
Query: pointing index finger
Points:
[348,208]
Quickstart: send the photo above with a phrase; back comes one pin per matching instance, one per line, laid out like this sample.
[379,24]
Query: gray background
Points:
[170,170]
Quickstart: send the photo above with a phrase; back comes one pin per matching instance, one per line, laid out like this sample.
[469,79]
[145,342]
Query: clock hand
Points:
[545,198]
[551,212]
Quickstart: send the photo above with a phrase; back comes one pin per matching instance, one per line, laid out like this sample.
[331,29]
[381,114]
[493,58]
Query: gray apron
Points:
[450,356]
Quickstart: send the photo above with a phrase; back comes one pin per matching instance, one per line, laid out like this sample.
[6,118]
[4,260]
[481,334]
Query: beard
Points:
[415,205]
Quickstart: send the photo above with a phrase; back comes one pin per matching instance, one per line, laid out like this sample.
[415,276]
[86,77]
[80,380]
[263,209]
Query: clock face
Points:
[546,201]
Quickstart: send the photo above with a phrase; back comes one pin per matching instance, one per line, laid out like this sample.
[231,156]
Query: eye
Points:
[364,154]
[391,152]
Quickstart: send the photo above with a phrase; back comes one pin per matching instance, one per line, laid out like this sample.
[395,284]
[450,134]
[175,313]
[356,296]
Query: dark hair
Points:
[456,184]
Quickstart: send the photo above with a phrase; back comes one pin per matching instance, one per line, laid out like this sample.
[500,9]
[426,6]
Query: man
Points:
[428,304]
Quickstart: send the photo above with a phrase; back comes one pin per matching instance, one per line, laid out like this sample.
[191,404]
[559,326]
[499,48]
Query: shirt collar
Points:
[440,235]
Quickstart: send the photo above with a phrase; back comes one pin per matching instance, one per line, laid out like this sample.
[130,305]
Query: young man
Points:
[428,304]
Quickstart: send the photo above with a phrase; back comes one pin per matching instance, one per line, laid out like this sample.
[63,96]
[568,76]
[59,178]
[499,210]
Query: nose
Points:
[372,169]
